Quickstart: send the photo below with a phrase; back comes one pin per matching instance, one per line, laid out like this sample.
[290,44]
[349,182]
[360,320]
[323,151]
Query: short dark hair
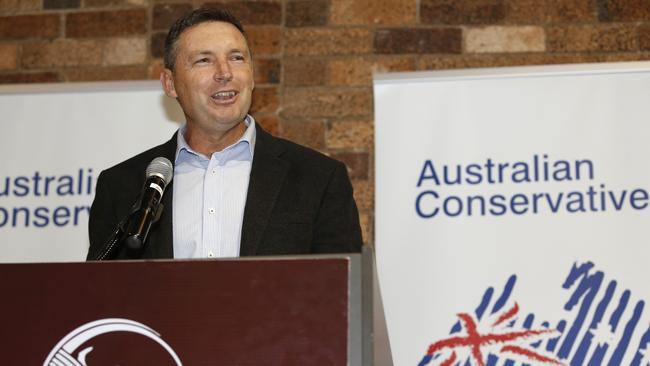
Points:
[191,19]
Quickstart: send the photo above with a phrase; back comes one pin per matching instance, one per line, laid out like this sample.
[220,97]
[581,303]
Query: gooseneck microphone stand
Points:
[132,231]
[109,250]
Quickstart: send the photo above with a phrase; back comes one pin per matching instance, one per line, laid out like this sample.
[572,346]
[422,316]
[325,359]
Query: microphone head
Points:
[161,167]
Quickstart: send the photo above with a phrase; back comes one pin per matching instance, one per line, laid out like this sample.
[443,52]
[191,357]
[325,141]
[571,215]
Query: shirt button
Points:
[211,210]
[210,255]
[214,171]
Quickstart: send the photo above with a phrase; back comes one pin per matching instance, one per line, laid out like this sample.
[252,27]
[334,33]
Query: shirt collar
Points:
[247,138]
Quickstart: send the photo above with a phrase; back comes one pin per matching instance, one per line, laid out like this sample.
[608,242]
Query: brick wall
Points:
[314,58]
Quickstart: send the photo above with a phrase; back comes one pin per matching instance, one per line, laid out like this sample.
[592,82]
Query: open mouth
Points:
[224,96]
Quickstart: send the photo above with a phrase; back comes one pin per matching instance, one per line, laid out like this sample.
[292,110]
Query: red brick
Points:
[125,51]
[114,3]
[62,52]
[307,13]
[164,15]
[418,40]
[367,227]
[358,71]
[579,38]
[19,6]
[106,23]
[462,11]
[622,57]
[23,78]
[264,40]
[490,60]
[357,163]
[572,10]
[300,71]
[373,11]
[326,102]
[265,100]
[496,60]
[550,11]
[269,123]
[644,37]
[267,71]
[155,67]
[252,12]
[624,10]
[327,41]
[306,133]
[29,26]
[364,194]
[8,56]
[61,4]
[106,73]
[350,135]
[158,44]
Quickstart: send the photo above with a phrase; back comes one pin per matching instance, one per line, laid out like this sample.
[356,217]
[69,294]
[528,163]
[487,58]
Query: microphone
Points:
[159,174]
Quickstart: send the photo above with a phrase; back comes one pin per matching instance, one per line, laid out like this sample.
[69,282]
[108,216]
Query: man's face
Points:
[213,77]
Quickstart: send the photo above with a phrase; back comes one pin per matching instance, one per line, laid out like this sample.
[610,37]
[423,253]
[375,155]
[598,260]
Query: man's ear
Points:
[167,81]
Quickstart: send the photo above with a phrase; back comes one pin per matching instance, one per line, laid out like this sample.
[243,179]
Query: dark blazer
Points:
[299,201]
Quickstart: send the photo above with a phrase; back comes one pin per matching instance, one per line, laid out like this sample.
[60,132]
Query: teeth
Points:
[224,95]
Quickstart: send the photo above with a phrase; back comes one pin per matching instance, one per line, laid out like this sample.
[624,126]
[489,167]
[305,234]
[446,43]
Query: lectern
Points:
[303,310]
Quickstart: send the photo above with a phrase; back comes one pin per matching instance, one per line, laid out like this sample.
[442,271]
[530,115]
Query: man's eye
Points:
[238,58]
[202,60]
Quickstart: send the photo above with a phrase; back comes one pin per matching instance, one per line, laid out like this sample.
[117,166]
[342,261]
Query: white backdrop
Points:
[55,141]
[543,209]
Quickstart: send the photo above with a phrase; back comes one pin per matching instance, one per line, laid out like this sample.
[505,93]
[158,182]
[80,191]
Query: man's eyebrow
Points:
[193,53]
[237,50]
[210,53]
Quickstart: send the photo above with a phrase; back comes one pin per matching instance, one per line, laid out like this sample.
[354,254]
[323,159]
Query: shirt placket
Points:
[211,220]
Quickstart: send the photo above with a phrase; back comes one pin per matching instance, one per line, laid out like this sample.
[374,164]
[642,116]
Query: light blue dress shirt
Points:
[209,197]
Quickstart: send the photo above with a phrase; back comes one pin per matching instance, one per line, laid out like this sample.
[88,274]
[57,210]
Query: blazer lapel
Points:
[160,243]
[268,172]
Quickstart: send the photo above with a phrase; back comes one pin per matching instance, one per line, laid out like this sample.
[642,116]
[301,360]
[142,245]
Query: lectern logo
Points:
[63,353]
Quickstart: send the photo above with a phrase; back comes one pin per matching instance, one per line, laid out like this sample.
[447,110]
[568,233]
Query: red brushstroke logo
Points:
[477,342]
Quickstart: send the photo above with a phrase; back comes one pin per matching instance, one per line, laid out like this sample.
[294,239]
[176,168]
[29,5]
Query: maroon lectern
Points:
[263,311]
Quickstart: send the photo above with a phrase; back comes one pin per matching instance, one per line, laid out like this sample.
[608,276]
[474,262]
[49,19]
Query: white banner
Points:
[512,215]
[56,140]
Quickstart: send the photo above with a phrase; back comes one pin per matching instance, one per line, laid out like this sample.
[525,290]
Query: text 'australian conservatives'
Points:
[541,180]
[46,200]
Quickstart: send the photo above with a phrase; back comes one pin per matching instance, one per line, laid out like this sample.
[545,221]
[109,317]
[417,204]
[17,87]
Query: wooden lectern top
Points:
[218,312]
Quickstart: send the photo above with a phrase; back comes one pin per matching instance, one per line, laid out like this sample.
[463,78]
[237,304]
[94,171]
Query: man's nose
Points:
[222,72]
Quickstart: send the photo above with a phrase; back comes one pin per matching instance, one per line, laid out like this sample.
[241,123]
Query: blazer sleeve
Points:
[336,228]
[102,220]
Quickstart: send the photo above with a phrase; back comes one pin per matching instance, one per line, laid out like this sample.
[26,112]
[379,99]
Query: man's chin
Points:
[226,117]
[215,125]
[229,123]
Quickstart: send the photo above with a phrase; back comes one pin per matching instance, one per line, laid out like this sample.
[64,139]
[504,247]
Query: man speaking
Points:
[236,190]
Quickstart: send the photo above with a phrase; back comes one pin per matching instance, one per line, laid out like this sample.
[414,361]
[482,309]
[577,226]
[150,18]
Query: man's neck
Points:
[207,143]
